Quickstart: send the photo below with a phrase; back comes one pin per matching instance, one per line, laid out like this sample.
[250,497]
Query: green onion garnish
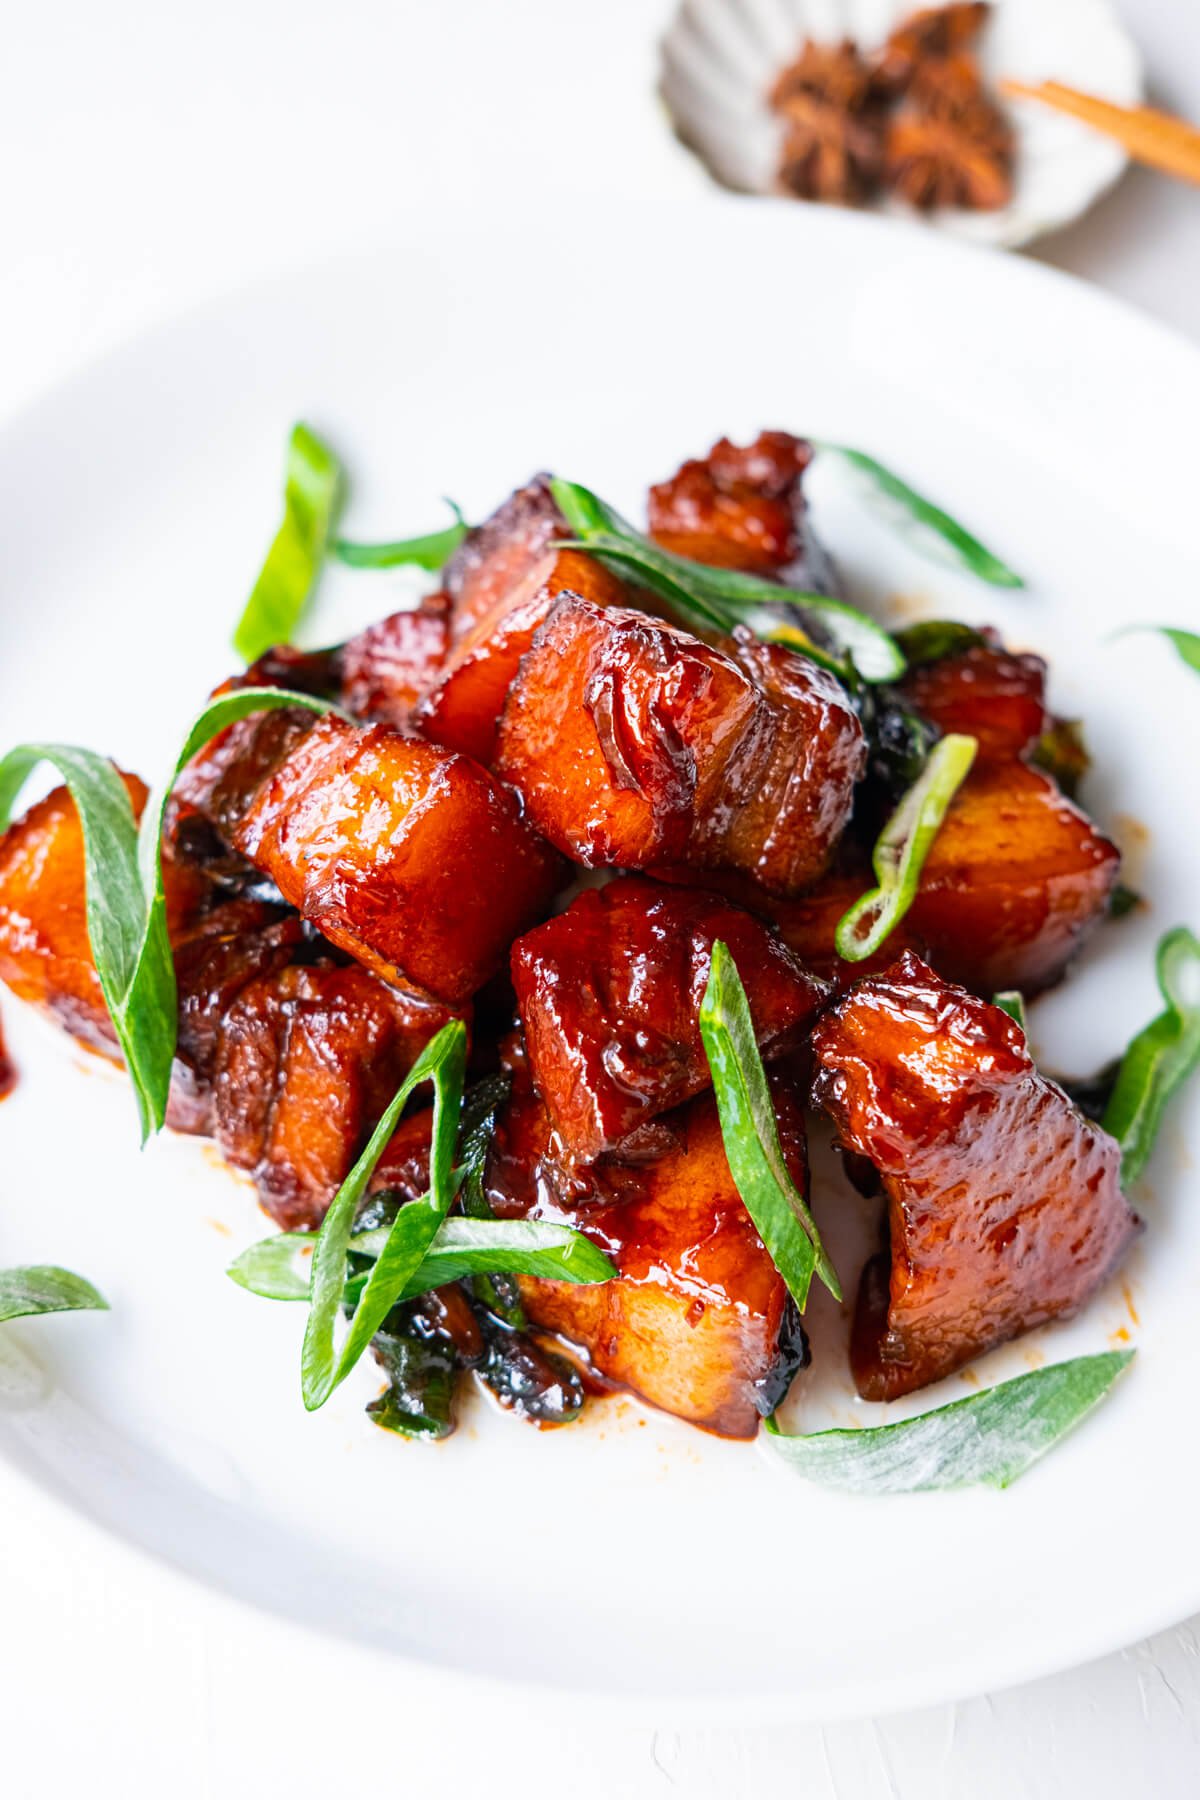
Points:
[42,1288]
[432,551]
[126,908]
[278,1268]
[756,1160]
[903,505]
[990,1437]
[932,639]
[442,1062]
[1161,1057]
[421,1248]
[1013,1003]
[1186,643]
[312,495]
[710,598]
[902,847]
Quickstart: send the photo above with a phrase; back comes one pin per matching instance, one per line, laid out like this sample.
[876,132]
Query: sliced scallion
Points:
[1186,644]
[312,494]
[989,1438]
[901,849]
[751,1135]
[712,598]
[431,551]
[44,1288]
[1161,1057]
[904,506]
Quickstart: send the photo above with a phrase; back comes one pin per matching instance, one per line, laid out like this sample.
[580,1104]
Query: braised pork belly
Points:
[633,743]
[609,995]
[700,1322]
[534,809]
[1004,1203]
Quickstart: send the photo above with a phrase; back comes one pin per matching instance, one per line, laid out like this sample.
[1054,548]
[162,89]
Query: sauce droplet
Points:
[8,1074]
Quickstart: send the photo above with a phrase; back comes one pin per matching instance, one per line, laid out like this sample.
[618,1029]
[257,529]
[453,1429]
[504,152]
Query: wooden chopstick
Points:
[1152,137]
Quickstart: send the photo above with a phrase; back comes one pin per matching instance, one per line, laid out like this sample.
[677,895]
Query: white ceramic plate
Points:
[719,58]
[629,1558]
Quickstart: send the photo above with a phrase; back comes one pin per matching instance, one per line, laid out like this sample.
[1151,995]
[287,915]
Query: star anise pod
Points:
[833,133]
[950,146]
[951,88]
[935,32]
[830,154]
[833,72]
[933,162]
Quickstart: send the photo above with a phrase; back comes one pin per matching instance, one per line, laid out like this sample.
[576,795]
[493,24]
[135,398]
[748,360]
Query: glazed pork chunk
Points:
[743,508]
[609,996]
[285,1057]
[45,953]
[634,744]
[384,671]
[1014,882]
[462,706]
[700,1322]
[378,675]
[494,559]
[1004,1202]
[986,692]
[411,858]
[307,1059]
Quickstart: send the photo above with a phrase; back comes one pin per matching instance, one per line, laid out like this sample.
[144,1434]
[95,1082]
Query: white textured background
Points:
[153,154]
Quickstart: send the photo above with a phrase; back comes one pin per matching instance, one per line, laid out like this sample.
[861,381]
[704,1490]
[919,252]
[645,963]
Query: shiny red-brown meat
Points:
[633,743]
[1013,883]
[222,780]
[787,801]
[739,507]
[216,958]
[45,952]
[609,995]
[987,693]
[1005,1203]
[307,1060]
[496,556]
[385,669]
[409,857]
[463,705]
[699,1322]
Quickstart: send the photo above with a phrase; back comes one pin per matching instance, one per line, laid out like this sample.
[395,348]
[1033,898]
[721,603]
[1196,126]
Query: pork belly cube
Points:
[787,803]
[1004,1202]
[633,743]
[1014,881]
[45,952]
[409,857]
[463,706]
[738,508]
[223,779]
[613,728]
[316,672]
[986,693]
[386,669]
[494,558]
[308,1060]
[609,997]
[216,958]
[808,926]
[699,1323]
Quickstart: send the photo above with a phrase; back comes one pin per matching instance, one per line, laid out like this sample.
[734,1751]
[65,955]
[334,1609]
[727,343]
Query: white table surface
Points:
[154,155]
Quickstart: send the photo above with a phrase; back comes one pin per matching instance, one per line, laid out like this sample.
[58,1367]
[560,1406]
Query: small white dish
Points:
[719,57]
